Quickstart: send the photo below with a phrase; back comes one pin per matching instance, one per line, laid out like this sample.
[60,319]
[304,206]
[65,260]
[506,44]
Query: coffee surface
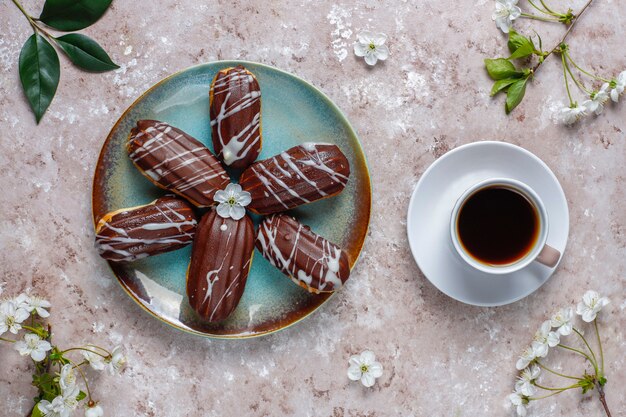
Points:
[497,225]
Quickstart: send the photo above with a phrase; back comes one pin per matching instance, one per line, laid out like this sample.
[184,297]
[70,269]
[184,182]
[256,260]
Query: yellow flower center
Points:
[372,46]
[364,368]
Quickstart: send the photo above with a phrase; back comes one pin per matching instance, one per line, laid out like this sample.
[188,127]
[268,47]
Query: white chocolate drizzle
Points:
[318,274]
[237,146]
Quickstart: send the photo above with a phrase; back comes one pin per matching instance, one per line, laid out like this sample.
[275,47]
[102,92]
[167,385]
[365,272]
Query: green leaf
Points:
[516,41]
[69,15]
[602,381]
[515,94]
[81,396]
[502,85]
[39,73]
[523,51]
[36,411]
[85,53]
[501,68]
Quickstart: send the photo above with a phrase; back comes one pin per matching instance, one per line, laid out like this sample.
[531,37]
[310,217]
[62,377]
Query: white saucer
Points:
[428,221]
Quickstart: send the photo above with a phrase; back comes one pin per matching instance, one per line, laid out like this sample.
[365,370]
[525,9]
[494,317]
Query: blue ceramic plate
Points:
[293,112]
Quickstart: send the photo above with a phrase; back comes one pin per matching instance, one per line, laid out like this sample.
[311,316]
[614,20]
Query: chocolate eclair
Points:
[128,234]
[175,161]
[220,261]
[308,259]
[297,176]
[235,111]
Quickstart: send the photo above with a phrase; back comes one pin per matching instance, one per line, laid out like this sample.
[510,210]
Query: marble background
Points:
[441,357]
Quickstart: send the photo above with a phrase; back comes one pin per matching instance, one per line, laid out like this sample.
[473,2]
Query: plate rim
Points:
[358,150]
[517,148]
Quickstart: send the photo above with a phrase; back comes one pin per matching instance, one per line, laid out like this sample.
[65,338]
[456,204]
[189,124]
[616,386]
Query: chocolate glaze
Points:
[235,111]
[300,175]
[220,261]
[308,259]
[129,234]
[173,160]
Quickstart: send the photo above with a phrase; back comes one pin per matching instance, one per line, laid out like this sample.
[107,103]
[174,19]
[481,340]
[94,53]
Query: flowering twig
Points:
[512,80]
[59,393]
[548,336]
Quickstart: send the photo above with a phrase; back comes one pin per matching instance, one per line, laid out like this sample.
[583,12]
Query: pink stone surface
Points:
[441,357]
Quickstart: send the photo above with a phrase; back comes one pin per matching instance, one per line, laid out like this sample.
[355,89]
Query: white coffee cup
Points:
[540,251]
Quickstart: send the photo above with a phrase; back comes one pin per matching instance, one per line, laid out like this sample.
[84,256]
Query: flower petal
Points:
[244,198]
[38,355]
[379,38]
[221,196]
[365,37]
[355,360]
[368,357]
[382,52]
[371,59]
[237,212]
[368,380]
[233,188]
[354,372]
[360,49]
[376,369]
[223,210]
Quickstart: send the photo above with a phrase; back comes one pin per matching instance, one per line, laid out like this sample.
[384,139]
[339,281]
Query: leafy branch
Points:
[512,80]
[39,63]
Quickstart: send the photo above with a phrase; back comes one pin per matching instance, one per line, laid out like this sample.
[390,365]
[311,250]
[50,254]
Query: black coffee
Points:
[497,225]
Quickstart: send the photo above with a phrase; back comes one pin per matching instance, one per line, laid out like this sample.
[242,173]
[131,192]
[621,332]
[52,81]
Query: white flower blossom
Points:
[67,377]
[95,411]
[520,402]
[562,321]
[11,317]
[591,305]
[570,115]
[116,362]
[541,344]
[525,381]
[505,13]
[62,405]
[39,305]
[620,85]
[232,201]
[96,360]
[597,99]
[528,355]
[371,46]
[365,368]
[33,345]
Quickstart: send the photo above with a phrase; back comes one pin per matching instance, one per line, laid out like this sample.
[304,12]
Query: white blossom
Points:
[591,305]
[562,321]
[116,362]
[620,85]
[62,405]
[570,115]
[95,359]
[371,46]
[67,377]
[597,99]
[34,346]
[95,411]
[540,343]
[525,381]
[505,13]
[232,201]
[528,355]
[38,305]
[519,401]
[365,368]
[11,317]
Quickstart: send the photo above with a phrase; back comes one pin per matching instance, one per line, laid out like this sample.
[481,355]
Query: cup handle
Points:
[548,256]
